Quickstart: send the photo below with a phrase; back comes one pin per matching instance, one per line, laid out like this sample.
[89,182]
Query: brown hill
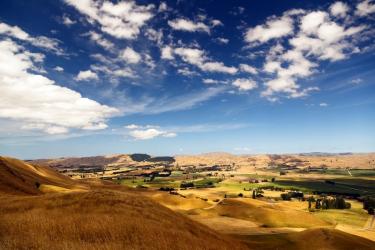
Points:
[18,177]
[86,161]
[104,216]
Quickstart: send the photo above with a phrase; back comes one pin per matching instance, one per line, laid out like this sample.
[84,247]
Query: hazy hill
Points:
[344,160]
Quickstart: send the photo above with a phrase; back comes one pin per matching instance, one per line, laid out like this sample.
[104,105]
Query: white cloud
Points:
[34,99]
[111,68]
[317,38]
[216,22]
[155,35]
[167,53]
[187,25]
[365,8]
[218,67]
[39,41]
[86,75]
[339,9]
[244,84]
[130,56]
[311,22]
[121,20]
[210,81]
[190,55]
[58,69]
[169,135]
[222,40]
[150,133]
[163,7]
[145,134]
[248,69]
[132,126]
[99,39]
[356,81]
[187,72]
[53,130]
[198,58]
[323,104]
[273,28]
[67,21]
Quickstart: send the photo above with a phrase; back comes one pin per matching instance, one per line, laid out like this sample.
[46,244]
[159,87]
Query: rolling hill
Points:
[94,214]
[347,160]
[18,177]
[99,216]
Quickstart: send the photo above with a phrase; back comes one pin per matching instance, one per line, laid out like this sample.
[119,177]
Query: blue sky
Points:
[184,77]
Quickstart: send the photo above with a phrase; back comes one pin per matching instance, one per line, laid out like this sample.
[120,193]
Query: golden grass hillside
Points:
[18,177]
[104,216]
[101,219]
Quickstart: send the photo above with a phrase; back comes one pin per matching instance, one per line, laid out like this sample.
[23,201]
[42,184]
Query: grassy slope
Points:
[104,216]
[18,177]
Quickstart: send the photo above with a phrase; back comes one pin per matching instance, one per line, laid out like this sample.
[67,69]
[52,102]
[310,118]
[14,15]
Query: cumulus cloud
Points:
[43,42]
[188,25]
[100,40]
[167,53]
[365,8]
[198,58]
[130,56]
[244,84]
[222,40]
[38,102]
[67,21]
[313,37]
[147,132]
[163,7]
[58,69]
[339,9]
[323,104]
[216,22]
[273,28]
[248,69]
[122,20]
[86,75]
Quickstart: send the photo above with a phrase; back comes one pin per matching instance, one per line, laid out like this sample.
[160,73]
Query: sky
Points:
[98,77]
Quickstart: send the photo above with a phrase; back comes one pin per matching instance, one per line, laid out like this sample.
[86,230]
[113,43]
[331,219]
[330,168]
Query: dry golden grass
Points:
[101,219]
[18,177]
[265,214]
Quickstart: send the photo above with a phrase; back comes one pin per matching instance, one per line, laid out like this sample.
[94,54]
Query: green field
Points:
[360,187]
[354,172]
